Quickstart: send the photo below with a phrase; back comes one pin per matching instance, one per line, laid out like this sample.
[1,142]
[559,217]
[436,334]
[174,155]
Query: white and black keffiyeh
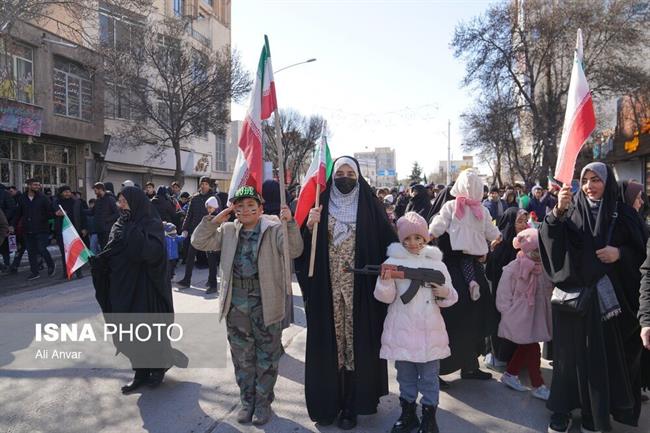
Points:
[343,207]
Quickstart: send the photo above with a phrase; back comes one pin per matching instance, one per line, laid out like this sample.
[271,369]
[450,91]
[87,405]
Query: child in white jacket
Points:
[468,223]
[414,334]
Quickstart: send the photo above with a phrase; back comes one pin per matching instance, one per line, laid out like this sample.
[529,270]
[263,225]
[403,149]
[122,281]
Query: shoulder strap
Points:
[612,224]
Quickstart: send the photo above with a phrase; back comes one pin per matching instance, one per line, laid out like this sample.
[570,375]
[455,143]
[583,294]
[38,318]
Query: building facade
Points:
[59,117]
[456,167]
[378,167]
[51,110]
[208,26]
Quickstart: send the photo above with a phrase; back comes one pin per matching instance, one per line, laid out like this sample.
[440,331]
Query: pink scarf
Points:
[529,271]
[474,205]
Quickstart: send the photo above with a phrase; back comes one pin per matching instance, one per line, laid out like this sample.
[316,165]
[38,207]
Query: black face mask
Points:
[345,184]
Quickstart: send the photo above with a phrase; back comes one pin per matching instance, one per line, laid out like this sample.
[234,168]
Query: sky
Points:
[385,75]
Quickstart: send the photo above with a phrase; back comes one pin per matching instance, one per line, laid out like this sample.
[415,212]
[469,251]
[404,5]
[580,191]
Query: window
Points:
[207,2]
[73,90]
[178,8]
[118,31]
[220,153]
[17,72]
[119,102]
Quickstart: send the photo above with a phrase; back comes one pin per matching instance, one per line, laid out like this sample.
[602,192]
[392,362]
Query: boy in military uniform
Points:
[253,292]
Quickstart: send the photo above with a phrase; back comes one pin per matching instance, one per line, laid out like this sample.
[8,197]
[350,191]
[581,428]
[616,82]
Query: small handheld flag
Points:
[76,252]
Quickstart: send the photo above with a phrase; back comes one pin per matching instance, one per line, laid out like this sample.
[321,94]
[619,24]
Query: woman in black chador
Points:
[343,372]
[589,243]
[130,277]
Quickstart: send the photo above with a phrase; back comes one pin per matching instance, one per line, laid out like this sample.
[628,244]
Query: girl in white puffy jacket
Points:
[414,334]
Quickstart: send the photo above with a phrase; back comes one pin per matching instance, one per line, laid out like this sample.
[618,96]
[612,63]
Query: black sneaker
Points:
[560,423]
[476,374]
[33,277]
[182,284]
[50,271]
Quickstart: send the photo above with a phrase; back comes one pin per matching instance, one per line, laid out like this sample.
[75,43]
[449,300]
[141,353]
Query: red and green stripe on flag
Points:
[318,173]
[76,252]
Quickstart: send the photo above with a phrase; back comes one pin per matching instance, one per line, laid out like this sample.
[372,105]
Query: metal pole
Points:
[448,151]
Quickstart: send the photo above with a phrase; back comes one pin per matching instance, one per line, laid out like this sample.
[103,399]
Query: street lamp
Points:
[295,64]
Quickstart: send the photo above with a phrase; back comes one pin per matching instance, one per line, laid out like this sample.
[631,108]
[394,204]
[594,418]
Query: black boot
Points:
[140,379]
[429,424]
[157,376]
[348,418]
[408,420]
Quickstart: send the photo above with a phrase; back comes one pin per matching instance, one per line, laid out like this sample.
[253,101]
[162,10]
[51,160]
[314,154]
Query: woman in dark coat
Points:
[590,244]
[511,222]
[343,371]
[164,206]
[129,276]
[420,201]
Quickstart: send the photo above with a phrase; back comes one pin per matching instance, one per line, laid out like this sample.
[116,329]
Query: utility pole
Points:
[448,151]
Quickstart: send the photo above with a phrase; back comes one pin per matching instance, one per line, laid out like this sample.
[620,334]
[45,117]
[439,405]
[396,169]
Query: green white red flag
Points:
[249,166]
[579,119]
[318,173]
[76,252]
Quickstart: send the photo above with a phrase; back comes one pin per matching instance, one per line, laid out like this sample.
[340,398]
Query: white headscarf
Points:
[343,207]
[468,185]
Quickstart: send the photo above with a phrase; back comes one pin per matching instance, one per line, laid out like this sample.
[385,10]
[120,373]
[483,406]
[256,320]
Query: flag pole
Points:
[283,199]
[314,235]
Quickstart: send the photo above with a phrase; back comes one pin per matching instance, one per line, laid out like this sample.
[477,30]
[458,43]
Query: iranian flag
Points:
[579,119]
[318,173]
[76,253]
[249,168]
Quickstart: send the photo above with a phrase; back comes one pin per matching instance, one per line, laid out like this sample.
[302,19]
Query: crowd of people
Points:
[432,277]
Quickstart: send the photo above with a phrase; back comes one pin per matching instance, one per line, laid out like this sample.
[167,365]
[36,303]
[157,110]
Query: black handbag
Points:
[577,302]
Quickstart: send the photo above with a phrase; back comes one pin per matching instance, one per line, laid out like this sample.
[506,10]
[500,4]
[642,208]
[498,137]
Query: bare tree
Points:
[177,89]
[71,18]
[300,135]
[527,48]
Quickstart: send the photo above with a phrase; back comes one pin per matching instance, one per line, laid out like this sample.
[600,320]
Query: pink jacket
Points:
[416,331]
[525,314]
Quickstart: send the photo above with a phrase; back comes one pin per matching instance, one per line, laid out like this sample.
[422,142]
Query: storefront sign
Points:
[20,118]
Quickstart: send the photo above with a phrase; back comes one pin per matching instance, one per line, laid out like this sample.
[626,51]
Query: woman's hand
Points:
[314,217]
[223,216]
[608,254]
[564,199]
[440,291]
[285,214]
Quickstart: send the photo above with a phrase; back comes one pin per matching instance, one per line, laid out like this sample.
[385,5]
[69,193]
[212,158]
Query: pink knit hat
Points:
[526,240]
[412,224]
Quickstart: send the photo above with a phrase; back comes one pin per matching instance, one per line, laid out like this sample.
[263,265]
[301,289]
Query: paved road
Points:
[205,400]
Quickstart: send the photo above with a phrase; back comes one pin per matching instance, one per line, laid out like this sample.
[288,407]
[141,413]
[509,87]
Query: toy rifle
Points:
[418,276]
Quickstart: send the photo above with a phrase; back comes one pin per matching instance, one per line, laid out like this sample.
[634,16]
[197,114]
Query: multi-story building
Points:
[368,165]
[456,167]
[209,26]
[59,118]
[378,166]
[51,109]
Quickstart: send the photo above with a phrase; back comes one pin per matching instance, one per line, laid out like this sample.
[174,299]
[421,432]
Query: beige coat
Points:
[270,264]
